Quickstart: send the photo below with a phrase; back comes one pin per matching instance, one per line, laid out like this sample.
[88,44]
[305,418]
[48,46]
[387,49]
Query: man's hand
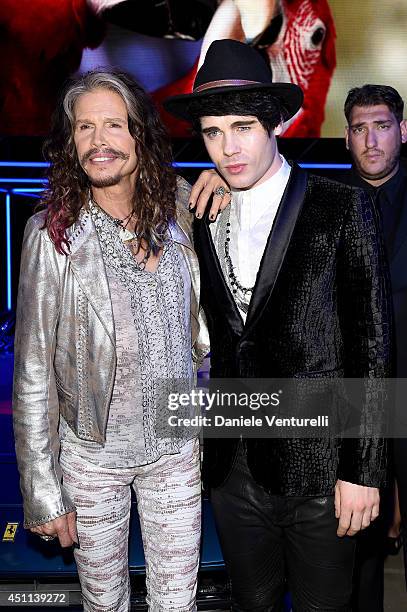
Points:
[63,527]
[208,181]
[355,507]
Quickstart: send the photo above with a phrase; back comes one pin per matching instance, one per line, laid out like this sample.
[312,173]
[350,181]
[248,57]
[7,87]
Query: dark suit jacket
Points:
[396,245]
[320,307]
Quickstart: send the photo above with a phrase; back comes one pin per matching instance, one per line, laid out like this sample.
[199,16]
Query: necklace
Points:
[124,233]
[128,237]
[234,281]
[134,249]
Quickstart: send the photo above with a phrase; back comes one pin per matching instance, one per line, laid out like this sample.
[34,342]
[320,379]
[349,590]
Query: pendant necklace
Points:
[128,237]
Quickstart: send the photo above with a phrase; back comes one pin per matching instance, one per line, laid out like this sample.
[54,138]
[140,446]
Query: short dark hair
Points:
[370,95]
[268,109]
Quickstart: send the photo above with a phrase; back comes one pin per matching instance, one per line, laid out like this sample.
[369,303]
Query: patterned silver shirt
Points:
[151,311]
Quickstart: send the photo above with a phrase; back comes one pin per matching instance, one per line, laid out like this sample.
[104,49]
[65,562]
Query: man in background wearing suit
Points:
[374,134]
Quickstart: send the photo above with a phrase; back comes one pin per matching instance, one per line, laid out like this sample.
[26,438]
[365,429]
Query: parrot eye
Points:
[318,36]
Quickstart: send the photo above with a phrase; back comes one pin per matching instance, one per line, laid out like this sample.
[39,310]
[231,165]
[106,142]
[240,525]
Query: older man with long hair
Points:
[108,307]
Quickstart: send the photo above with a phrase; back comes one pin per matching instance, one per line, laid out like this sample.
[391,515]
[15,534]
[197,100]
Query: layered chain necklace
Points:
[233,279]
[129,238]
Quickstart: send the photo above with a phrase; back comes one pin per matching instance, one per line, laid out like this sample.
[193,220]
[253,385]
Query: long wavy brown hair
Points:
[69,187]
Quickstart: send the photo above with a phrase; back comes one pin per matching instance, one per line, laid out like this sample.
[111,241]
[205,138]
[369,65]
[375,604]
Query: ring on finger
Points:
[221,191]
[47,538]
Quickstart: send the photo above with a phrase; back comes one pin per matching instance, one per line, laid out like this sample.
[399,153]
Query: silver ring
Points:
[221,191]
[47,538]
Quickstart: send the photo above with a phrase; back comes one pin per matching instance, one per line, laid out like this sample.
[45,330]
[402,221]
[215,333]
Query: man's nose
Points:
[230,144]
[371,139]
[99,136]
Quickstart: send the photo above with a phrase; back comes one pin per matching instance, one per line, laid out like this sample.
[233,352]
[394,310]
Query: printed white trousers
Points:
[169,505]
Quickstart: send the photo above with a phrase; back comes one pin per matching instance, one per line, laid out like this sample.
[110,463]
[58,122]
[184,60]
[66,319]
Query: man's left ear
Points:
[403,129]
[279,129]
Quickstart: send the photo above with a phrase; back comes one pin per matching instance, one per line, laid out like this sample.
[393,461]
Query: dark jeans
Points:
[268,539]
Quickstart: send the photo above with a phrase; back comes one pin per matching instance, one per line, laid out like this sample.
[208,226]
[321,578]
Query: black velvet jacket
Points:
[321,306]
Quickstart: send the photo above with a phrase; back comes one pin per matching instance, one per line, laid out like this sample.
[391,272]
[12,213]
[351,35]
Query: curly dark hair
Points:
[69,186]
[268,109]
[371,95]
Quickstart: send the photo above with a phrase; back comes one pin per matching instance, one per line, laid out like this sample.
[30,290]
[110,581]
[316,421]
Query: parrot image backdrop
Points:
[325,46]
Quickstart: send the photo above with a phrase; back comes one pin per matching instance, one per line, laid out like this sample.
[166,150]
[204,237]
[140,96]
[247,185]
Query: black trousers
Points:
[269,541]
[400,466]
[368,576]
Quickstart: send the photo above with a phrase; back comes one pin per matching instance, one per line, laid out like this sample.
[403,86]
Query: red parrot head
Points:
[304,53]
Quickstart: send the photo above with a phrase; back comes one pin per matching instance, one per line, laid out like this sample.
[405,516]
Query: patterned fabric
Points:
[321,308]
[54,373]
[219,237]
[169,507]
[153,347]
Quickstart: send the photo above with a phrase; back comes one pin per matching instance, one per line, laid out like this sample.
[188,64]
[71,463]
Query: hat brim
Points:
[290,96]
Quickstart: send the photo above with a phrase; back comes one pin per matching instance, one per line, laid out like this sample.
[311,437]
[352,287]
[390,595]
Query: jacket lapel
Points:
[220,288]
[180,231]
[88,268]
[277,244]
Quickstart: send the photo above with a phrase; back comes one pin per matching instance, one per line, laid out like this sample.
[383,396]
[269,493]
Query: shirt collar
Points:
[252,204]
[390,187]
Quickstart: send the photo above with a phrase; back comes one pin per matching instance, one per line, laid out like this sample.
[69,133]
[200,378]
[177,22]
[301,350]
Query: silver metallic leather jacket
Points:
[65,357]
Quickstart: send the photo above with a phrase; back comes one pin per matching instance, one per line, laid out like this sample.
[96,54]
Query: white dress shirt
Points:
[252,213]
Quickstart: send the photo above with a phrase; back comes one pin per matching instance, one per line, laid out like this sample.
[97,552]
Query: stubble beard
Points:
[391,164]
[106,181]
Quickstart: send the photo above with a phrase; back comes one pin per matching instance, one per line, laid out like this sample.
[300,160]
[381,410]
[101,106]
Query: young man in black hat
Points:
[294,284]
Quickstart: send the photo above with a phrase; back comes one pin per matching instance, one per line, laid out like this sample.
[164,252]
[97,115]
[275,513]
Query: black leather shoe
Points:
[393,545]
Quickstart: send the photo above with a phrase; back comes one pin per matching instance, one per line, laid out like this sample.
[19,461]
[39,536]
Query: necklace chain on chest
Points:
[233,279]
[131,239]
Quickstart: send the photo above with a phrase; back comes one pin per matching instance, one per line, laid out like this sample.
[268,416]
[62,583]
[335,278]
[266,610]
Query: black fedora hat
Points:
[234,66]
